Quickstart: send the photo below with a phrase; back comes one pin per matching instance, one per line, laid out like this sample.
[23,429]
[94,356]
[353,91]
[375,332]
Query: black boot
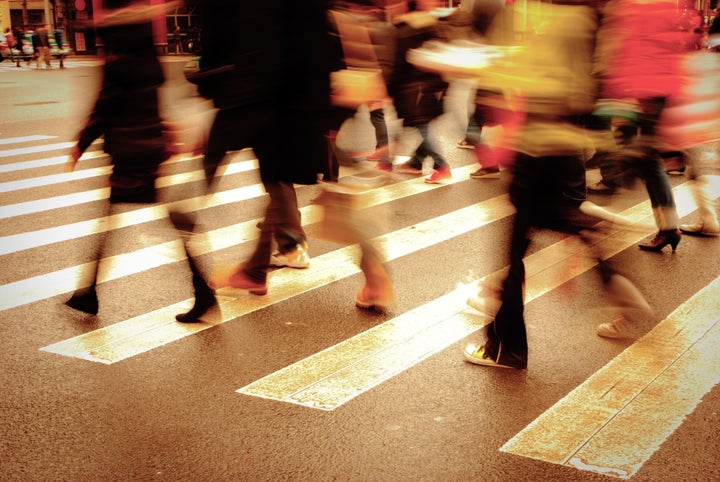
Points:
[204,297]
[84,300]
[662,239]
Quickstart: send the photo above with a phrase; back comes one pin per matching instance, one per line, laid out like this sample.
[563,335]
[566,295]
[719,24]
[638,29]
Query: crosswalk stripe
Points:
[614,421]
[35,149]
[48,161]
[101,346]
[340,373]
[163,181]
[33,239]
[21,139]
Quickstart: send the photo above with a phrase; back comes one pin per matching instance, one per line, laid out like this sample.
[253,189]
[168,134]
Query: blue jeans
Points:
[427,148]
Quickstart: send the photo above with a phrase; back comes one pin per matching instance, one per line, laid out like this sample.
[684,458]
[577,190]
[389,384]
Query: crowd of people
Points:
[640,75]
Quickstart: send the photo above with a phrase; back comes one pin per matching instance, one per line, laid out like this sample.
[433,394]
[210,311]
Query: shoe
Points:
[698,229]
[600,188]
[618,329]
[476,354]
[381,153]
[464,144]
[297,258]
[203,302]
[379,303]
[84,300]
[384,166]
[236,278]
[439,175]
[408,167]
[662,239]
[486,173]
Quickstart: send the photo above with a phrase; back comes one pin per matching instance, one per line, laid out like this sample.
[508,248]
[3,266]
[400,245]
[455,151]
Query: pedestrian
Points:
[368,44]
[177,39]
[42,49]
[691,122]
[640,45]
[261,89]
[11,43]
[264,84]
[126,113]
[418,94]
[547,185]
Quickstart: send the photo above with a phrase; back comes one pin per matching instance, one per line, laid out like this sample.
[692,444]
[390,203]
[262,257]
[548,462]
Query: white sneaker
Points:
[297,258]
[617,329]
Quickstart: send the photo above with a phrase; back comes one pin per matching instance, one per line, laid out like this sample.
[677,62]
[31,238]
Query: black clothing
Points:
[126,113]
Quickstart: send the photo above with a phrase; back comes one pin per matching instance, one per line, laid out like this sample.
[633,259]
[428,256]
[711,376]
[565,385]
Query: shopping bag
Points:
[352,88]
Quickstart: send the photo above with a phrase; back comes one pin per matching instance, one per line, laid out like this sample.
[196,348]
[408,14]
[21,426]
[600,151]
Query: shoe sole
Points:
[493,175]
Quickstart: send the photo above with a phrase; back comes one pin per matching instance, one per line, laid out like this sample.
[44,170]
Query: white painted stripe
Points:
[164,181]
[342,372]
[18,140]
[615,420]
[48,161]
[43,237]
[35,149]
[334,266]
[67,200]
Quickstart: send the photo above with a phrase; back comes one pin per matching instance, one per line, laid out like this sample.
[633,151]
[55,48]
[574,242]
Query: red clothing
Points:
[648,44]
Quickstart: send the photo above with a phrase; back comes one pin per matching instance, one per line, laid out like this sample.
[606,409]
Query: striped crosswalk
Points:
[342,372]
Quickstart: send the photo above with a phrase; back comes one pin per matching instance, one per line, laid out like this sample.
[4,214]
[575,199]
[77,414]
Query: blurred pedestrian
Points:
[691,122]
[640,45]
[265,84]
[177,39]
[418,94]
[548,173]
[368,43]
[126,113]
[42,49]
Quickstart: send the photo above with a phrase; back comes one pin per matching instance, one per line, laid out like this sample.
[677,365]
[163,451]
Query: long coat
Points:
[127,114]
[275,58]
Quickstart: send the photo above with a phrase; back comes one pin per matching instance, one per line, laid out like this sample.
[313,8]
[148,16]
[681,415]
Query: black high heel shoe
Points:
[662,239]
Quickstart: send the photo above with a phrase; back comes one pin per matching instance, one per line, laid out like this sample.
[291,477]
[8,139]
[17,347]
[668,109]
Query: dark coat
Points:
[274,58]
[417,94]
[126,113]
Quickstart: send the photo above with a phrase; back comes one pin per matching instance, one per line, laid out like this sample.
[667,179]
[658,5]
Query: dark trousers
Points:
[546,193]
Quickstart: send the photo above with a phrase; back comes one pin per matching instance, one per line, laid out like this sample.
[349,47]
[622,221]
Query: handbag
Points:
[354,87]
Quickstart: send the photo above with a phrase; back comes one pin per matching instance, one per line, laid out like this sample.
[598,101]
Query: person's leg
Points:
[506,343]
[441,169]
[702,160]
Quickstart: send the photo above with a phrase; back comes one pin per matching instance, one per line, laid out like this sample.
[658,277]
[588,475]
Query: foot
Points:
[368,299]
[699,229]
[381,153]
[662,239]
[492,172]
[409,167]
[84,300]
[465,144]
[236,278]
[600,188]
[202,304]
[618,329]
[384,166]
[297,258]
[478,355]
[441,174]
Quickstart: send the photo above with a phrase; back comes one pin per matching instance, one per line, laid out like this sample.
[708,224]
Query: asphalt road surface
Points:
[300,384]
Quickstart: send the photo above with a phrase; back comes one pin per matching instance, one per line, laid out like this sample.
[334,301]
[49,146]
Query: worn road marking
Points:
[615,420]
[18,140]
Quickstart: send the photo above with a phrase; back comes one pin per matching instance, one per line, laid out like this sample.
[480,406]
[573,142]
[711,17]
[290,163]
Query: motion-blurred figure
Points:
[126,113]
[691,122]
[640,45]
[548,173]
